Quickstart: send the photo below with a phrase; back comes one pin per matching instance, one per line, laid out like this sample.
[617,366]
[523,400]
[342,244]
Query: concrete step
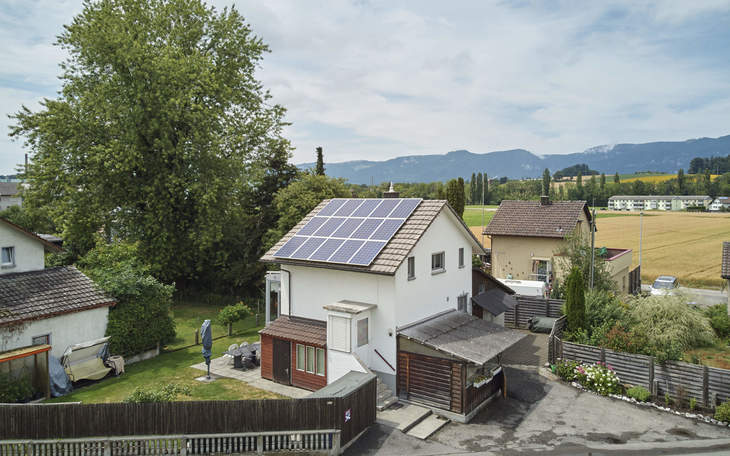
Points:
[428,426]
[385,394]
[403,417]
[382,405]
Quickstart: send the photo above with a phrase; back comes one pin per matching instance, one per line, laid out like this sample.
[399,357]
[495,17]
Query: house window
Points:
[411,268]
[301,357]
[45,339]
[362,332]
[320,361]
[8,257]
[461,257]
[310,360]
[461,302]
[437,262]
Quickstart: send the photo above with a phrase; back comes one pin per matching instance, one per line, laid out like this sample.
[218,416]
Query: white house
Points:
[56,306]
[381,285]
[721,203]
[657,202]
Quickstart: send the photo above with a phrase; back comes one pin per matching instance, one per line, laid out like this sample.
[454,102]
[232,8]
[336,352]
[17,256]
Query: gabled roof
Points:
[726,260]
[462,335]
[495,301]
[47,245]
[530,218]
[394,252]
[46,293]
[298,329]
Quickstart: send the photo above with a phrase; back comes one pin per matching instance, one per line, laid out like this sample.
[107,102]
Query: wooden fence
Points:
[709,386]
[349,414]
[532,306]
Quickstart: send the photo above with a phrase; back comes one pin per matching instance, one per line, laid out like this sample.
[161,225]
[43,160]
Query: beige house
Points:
[526,235]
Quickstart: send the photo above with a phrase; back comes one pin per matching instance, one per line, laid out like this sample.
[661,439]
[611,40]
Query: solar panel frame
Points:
[349,230]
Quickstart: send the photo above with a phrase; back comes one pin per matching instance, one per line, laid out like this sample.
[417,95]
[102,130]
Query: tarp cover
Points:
[60,383]
[542,324]
[207,337]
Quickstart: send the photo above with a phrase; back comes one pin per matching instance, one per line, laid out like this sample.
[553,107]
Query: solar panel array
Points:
[349,231]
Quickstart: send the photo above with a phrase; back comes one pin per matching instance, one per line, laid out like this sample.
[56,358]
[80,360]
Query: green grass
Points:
[189,315]
[474,218]
[173,367]
[478,206]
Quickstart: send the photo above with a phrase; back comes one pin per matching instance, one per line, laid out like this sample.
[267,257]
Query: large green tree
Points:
[319,170]
[455,195]
[546,182]
[161,134]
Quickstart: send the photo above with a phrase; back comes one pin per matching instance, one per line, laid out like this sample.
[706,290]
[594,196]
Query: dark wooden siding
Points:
[475,396]
[425,379]
[267,357]
[458,380]
[303,379]
[477,311]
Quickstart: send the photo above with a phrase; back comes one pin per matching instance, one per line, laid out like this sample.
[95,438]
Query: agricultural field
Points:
[656,178]
[683,244]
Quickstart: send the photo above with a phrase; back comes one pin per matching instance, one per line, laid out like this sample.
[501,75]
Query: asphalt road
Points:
[700,296]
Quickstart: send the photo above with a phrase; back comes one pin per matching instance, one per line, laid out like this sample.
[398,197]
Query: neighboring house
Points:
[490,297]
[721,203]
[9,195]
[657,202]
[358,278]
[525,236]
[726,270]
[57,306]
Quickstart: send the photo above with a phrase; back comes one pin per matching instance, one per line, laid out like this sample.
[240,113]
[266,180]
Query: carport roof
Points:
[462,335]
[495,301]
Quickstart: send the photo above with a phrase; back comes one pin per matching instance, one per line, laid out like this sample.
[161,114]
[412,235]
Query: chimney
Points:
[544,200]
[391,193]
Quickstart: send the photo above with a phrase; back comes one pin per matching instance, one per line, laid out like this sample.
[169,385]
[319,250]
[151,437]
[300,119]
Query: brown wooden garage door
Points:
[425,379]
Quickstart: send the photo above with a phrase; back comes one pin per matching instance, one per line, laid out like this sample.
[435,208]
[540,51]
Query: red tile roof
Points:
[530,218]
[297,329]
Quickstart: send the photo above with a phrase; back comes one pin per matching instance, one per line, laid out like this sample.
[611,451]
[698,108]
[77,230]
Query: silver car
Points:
[664,285]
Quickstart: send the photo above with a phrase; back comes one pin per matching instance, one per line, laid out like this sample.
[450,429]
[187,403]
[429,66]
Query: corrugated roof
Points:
[297,329]
[394,252]
[35,295]
[530,218]
[463,336]
[726,260]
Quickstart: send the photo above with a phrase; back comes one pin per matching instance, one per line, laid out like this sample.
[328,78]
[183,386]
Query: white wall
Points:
[65,330]
[340,363]
[29,253]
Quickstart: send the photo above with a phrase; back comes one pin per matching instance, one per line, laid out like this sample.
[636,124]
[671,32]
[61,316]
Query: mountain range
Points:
[519,163]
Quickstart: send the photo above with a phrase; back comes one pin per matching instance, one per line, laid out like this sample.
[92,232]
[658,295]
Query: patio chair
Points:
[229,356]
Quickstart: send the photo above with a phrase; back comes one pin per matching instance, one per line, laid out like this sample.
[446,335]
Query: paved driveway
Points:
[530,351]
[542,416]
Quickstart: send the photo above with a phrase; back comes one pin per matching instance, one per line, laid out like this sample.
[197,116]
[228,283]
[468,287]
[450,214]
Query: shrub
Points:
[233,313]
[167,393]
[565,369]
[692,403]
[141,319]
[575,301]
[15,389]
[719,320]
[639,393]
[722,412]
[599,378]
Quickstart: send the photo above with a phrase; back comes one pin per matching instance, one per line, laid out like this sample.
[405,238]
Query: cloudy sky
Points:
[374,80]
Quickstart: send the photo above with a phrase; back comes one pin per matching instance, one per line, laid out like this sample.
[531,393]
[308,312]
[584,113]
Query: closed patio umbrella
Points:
[205,332]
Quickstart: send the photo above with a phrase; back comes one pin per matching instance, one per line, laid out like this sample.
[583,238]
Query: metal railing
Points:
[325,441]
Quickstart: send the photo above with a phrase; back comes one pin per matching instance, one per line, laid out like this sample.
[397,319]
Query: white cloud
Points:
[374,80]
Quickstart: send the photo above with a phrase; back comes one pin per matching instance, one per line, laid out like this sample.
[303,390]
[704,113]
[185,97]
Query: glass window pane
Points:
[320,361]
[310,359]
[300,357]
[411,267]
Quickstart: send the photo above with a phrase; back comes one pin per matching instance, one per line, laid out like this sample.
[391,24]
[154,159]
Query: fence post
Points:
[260,444]
[705,386]
[652,386]
[230,329]
[603,356]
[184,447]
[336,442]
[197,337]
[107,448]
[547,307]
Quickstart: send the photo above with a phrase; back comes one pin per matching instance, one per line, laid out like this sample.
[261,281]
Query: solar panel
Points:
[349,231]
[367,253]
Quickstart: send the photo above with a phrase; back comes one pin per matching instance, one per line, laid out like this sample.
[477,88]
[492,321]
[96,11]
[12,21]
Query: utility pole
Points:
[641,234]
[482,202]
[593,242]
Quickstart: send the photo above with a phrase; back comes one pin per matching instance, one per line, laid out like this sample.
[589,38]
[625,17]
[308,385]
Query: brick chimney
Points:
[544,200]
[391,193]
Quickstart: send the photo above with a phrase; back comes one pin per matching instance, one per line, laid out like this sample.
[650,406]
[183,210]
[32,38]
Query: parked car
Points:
[665,285]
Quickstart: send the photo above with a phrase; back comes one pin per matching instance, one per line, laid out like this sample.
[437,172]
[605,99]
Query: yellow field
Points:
[682,244]
[686,245]
[664,177]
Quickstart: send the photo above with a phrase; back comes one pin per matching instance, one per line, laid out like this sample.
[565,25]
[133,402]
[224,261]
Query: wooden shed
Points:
[30,362]
[451,362]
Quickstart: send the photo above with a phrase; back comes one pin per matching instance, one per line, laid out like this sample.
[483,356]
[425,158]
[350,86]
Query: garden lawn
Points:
[473,216]
[189,315]
[173,367]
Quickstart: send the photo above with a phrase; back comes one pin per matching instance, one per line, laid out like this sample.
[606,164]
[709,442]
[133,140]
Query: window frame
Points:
[461,257]
[302,358]
[320,351]
[310,349]
[442,267]
[465,297]
[11,263]
[367,332]
[411,268]
[47,337]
